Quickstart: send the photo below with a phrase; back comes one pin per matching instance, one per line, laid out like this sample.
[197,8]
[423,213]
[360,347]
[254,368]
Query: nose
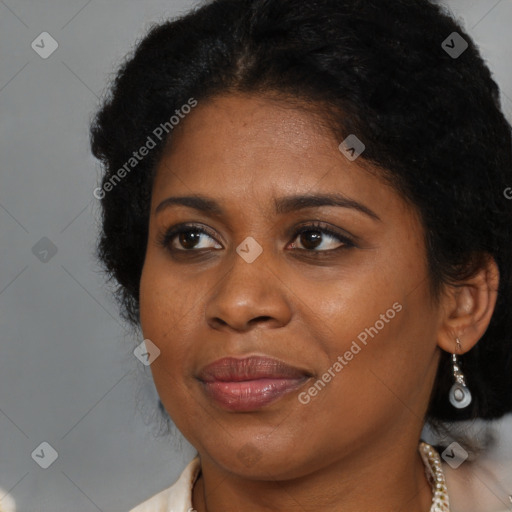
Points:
[249,295]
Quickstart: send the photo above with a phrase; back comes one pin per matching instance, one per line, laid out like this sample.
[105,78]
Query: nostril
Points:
[220,321]
[260,318]
[265,317]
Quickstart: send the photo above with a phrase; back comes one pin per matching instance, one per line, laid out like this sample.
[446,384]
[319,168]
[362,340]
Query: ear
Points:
[468,307]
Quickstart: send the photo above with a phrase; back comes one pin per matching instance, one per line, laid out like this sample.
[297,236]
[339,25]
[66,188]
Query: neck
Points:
[389,479]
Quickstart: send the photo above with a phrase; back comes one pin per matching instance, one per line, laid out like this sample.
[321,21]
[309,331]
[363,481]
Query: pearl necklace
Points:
[435,476]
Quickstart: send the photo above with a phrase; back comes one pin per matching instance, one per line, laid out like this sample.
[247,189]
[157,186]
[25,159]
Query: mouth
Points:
[251,383]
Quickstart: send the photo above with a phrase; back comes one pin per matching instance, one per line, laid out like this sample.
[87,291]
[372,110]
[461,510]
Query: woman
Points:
[303,205]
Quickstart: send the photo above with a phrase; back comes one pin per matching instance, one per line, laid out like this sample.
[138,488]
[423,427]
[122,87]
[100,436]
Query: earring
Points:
[460,396]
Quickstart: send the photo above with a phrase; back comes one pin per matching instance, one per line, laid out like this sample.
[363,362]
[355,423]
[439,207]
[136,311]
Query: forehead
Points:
[243,142]
[244,126]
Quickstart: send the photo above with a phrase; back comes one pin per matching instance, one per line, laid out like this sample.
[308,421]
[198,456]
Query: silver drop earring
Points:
[460,396]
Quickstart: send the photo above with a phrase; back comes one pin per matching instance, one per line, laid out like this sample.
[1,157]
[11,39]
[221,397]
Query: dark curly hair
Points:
[431,122]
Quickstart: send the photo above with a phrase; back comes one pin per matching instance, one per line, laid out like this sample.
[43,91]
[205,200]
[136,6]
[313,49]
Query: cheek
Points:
[164,306]
[383,358]
[162,311]
[165,301]
[382,326]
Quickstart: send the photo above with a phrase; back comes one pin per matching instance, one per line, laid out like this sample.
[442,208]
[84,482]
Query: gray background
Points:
[67,372]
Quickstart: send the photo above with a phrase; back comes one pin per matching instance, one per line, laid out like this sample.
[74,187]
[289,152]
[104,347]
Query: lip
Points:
[250,383]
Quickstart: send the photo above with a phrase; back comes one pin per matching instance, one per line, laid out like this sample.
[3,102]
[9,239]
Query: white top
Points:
[6,502]
[469,489]
[178,497]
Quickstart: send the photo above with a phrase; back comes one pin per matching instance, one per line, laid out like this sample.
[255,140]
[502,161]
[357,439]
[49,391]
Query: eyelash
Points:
[165,238]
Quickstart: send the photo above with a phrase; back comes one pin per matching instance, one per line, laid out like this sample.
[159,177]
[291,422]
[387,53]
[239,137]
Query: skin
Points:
[354,446]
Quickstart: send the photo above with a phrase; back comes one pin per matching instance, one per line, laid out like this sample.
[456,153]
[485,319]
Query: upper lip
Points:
[231,369]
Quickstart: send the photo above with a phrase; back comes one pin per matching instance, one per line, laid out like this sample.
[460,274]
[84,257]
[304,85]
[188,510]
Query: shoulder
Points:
[7,503]
[178,497]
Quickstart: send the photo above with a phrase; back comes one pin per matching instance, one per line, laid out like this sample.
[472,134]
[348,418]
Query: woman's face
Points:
[345,304]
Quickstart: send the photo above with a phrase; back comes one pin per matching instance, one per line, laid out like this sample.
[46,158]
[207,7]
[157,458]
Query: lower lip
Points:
[250,395]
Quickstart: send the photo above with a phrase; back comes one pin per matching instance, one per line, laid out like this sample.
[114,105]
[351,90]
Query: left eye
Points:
[319,239]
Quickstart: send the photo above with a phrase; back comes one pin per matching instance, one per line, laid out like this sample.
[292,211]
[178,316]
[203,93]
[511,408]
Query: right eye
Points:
[187,236]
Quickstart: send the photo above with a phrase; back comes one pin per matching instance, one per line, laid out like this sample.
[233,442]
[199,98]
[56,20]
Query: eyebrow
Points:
[282,204]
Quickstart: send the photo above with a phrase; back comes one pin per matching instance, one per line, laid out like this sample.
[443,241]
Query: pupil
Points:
[309,238]
[188,239]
